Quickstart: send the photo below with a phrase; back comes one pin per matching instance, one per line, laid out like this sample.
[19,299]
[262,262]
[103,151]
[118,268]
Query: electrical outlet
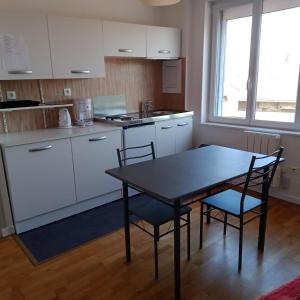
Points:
[292,170]
[11,95]
[67,92]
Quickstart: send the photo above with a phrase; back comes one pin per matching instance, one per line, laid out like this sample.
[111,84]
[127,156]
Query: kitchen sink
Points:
[163,112]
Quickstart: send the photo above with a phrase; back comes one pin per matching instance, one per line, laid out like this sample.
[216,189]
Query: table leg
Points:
[126,222]
[177,250]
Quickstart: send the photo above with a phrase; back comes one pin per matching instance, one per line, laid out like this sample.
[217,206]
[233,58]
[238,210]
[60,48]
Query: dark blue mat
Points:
[55,238]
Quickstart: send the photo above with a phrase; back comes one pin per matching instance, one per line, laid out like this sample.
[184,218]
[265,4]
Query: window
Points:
[256,63]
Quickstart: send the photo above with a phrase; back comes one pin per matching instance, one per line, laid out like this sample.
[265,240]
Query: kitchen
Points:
[134,67]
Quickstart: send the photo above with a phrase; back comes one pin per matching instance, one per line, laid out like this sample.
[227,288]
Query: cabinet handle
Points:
[97,139]
[164,51]
[167,127]
[182,124]
[125,50]
[20,72]
[40,148]
[80,71]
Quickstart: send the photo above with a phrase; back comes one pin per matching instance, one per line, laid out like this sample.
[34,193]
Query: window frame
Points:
[217,58]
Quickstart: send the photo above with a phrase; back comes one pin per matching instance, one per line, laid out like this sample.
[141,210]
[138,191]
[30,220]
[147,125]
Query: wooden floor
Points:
[98,271]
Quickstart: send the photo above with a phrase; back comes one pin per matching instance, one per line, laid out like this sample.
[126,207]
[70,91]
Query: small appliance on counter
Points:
[64,119]
[84,112]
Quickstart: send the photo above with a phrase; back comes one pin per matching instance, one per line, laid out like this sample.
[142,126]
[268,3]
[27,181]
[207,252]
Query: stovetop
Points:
[126,117]
[136,118]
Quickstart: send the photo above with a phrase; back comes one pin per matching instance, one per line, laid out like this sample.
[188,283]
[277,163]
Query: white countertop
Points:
[43,135]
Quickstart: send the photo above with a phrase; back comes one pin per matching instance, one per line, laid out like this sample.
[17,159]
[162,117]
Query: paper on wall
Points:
[14,54]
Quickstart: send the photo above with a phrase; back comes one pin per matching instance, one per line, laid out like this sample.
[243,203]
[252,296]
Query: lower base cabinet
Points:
[49,180]
[174,136]
[40,178]
[92,155]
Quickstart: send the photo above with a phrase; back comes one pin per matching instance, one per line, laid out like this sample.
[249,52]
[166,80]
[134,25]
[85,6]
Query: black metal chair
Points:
[148,209]
[237,204]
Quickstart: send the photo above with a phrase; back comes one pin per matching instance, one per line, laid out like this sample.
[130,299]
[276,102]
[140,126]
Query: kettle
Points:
[64,119]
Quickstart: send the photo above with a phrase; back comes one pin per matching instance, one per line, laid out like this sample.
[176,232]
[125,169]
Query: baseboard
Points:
[286,197]
[6,231]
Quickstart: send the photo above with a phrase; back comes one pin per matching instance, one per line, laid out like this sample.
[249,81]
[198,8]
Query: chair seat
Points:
[153,211]
[229,201]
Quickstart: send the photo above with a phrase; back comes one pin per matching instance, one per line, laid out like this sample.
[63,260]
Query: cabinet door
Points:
[165,138]
[163,42]
[41,178]
[92,155]
[24,47]
[184,134]
[123,39]
[136,137]
[76,47]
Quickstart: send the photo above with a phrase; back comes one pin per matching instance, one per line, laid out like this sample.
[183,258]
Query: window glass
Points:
[279,61]
[234,63]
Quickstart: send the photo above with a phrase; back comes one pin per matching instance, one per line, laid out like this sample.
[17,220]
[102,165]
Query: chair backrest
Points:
[124,154]
[261,172]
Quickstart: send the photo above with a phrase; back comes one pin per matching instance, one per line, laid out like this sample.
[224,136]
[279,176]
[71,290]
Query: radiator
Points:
[264,143]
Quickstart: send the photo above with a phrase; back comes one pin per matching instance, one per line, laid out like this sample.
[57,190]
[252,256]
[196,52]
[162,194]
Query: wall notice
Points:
[14,54]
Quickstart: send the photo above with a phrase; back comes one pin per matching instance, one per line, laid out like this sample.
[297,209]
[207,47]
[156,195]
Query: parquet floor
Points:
[97,270]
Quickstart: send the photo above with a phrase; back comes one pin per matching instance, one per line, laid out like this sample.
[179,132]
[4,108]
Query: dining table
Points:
[177,179]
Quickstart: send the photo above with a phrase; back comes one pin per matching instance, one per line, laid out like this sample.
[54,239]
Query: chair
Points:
[151,210]
[237,204]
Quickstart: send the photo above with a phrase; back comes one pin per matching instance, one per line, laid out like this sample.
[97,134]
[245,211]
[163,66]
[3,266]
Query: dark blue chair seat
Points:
[153,211]
[230,201]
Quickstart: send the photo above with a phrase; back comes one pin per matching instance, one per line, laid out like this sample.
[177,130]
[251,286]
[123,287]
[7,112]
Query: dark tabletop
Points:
[186,174]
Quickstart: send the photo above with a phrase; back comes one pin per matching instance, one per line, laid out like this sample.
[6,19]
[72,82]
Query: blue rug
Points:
[53,239]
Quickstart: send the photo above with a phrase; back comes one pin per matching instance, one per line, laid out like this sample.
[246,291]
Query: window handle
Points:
[249,84]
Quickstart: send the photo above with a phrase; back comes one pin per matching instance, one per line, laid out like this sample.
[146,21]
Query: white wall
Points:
[194,17]
[116,10]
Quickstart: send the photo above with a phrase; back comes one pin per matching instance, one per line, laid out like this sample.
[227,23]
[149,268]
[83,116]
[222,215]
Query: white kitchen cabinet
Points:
[24,47]
[76,47]
[165,138]
[124,39]
[184,134]
[174,136]
[163,42]
[139,136]
[92,155]
[40,178]
[135,137]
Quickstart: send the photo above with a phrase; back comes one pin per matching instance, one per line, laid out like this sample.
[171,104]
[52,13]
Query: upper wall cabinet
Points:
[163,42]
[24,47]
[123,39]
[76,47]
